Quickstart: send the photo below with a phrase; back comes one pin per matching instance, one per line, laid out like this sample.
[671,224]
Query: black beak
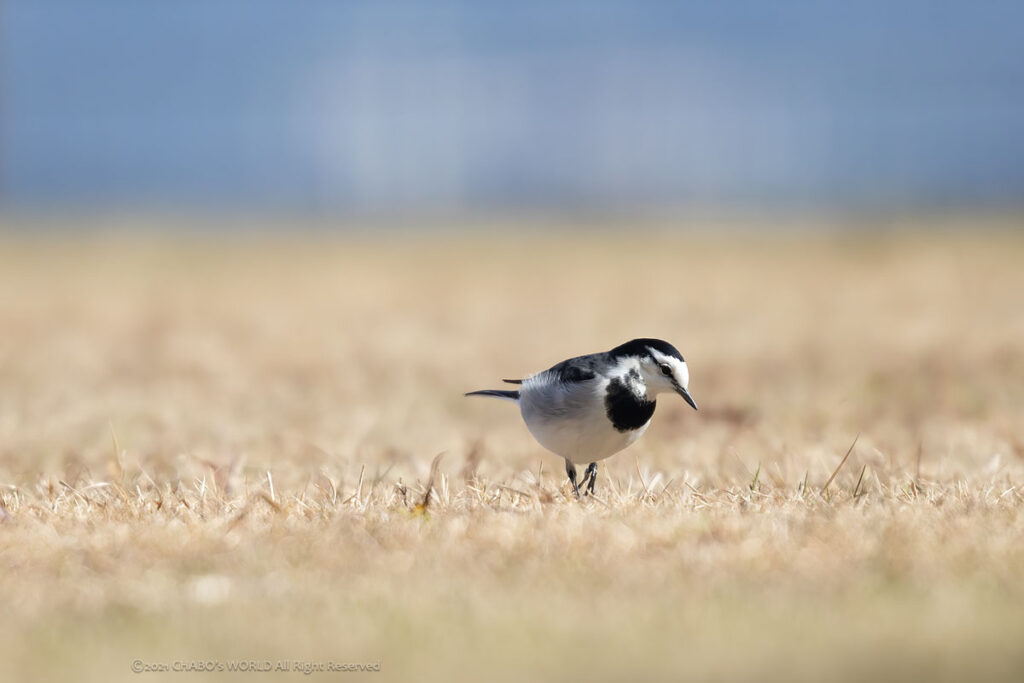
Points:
[686,396]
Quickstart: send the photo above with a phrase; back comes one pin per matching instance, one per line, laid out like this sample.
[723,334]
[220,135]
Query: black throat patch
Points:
[625,409]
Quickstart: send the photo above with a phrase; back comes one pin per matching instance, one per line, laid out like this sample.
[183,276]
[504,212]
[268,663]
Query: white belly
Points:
[579,430]
[582,446]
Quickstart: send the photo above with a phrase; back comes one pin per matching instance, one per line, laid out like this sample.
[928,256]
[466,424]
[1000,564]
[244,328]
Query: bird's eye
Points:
[666,370]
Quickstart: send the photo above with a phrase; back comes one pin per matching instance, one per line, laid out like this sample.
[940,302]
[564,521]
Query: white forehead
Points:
[662,358]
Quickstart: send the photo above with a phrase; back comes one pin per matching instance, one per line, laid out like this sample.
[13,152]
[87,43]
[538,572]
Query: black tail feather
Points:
[512,381]
[496,393]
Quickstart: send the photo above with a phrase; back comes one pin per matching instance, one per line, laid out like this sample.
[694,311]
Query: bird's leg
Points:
[570,469]
[590,477]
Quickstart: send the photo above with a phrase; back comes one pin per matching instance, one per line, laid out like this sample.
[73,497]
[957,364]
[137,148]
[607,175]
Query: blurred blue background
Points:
[379,106]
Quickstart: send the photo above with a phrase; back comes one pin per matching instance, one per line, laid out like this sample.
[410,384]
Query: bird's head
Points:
[662,367]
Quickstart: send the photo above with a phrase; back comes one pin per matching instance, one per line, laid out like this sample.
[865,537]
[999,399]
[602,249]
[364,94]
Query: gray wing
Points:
[568,389]
[580,369]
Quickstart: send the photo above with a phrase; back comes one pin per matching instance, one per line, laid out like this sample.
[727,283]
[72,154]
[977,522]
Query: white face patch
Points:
[679,372]
[682,374]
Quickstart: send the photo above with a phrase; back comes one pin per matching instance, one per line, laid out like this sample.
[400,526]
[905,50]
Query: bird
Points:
[590,407]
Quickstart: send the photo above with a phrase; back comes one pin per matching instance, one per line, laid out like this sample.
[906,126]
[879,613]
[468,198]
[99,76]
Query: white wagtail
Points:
[591,407]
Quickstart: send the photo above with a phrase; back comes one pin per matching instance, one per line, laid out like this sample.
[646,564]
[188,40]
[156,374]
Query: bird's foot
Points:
[570,470]
[590,477]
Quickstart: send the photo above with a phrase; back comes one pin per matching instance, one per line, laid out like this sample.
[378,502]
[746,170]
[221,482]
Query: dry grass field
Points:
[216,451]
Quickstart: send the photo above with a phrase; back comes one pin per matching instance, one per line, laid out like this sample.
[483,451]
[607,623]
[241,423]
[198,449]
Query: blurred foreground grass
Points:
[214,450]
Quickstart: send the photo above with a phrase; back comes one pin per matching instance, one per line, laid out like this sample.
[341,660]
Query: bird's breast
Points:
[626,410]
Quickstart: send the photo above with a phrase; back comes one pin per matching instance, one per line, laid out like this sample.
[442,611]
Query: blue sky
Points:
[379,106]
